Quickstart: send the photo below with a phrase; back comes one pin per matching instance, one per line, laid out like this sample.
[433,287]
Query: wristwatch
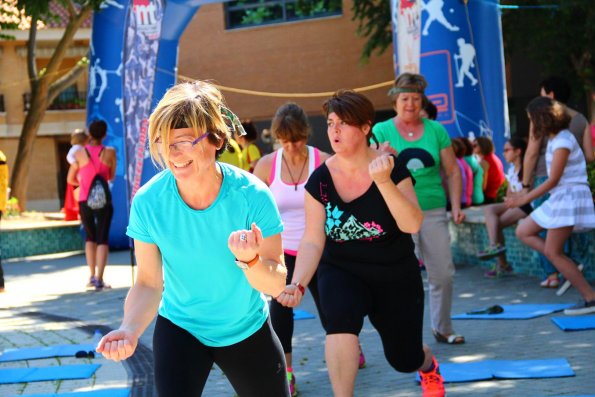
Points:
[248,265]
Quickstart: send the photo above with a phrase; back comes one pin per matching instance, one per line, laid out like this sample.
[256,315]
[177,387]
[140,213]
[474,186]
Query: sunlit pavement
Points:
[46,303]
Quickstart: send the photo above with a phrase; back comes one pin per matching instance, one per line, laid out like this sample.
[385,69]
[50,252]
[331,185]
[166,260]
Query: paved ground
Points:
[46,304]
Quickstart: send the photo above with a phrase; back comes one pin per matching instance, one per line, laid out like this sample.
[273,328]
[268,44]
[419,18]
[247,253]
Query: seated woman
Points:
[498,216]
[494,174]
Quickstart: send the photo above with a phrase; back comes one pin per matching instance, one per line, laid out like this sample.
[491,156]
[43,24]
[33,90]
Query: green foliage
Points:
[374,23]
[502,192]
[256,16]
[560,39]
[12,208]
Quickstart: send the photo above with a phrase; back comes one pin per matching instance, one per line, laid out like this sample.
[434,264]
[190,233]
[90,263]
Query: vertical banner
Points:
[406,23]
[104,100]
[462,59]
[134,52]
[143,32]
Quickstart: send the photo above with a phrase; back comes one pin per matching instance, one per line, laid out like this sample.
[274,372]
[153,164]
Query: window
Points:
[244,13]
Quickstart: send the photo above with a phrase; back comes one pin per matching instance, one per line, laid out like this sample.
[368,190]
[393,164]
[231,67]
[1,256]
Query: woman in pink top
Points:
[484,148]
[466,173]
[286,172]
[90,160]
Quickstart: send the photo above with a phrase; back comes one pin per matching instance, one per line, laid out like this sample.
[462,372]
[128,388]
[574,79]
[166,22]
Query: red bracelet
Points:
[300,287]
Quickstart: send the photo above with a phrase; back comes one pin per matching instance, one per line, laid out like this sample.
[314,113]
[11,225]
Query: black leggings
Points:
[254,366]
[395,308]
[282,317]
[96,222]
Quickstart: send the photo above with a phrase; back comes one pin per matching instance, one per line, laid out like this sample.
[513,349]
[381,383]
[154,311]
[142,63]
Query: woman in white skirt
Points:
[570,205]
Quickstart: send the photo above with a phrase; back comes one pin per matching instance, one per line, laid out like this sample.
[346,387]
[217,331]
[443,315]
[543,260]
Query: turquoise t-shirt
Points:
[422,157]
[477,196]
[205,292]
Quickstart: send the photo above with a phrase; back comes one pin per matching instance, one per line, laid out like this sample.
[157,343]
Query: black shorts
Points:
[395,309]
[96,222]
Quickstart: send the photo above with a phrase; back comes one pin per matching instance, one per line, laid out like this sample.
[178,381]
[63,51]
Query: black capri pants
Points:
[255,366]
[395,308]
[96,222]
[282,317]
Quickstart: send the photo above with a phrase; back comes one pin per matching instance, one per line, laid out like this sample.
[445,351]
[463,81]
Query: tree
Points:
[557,34]
[46,84]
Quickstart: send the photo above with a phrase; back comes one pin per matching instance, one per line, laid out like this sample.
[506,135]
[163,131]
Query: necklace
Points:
[295,181]
[409,133]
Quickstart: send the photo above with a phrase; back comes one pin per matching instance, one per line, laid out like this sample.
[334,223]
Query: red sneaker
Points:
[432,383]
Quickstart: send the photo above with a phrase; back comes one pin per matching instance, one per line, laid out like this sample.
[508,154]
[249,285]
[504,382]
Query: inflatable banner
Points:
[463,61]
[134,53]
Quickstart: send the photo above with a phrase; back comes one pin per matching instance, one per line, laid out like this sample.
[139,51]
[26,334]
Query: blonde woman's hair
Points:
[197,105]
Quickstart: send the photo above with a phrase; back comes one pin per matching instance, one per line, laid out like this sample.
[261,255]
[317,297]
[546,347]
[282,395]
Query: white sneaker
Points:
[567,284]
[582,307]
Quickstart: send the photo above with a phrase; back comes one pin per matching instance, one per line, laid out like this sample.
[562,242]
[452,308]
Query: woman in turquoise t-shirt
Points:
[425,146]
[207,239]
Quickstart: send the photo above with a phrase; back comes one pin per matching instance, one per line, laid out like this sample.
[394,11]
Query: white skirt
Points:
[567,206]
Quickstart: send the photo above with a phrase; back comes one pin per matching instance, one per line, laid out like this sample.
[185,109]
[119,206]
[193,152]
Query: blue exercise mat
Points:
[31,353]
[516,312]
[529,369]
[578,323]
[37,374]
[92,393]
[505,369]
[302,315]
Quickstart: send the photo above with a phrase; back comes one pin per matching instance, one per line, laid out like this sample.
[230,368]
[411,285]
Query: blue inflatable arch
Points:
[134,54]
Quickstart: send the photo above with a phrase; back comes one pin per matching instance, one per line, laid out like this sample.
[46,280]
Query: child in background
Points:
[477,194]
[493,171]
[78,139]
[232,154]
[498,216]
[467,174]
[570,205]
[250,151]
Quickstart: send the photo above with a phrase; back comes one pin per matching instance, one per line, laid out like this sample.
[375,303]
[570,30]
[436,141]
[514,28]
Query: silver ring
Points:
[243,237]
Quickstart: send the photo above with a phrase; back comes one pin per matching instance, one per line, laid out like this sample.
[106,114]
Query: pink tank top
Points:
[291,201]
[88,171]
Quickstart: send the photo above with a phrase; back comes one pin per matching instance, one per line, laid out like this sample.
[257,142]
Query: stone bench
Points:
[19,239]
[471,236]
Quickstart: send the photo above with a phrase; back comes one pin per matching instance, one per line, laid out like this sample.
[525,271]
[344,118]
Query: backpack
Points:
[99,194]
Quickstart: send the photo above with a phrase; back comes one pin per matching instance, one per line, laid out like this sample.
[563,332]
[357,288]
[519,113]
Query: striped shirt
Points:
[575,171]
